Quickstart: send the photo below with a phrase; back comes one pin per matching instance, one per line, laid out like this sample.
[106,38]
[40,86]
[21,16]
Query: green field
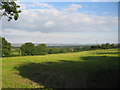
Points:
[87,69]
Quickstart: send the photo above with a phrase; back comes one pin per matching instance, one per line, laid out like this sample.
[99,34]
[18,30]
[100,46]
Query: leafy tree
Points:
[69,49]
[98,46]
[63,50]
[51,51]
[76,49]
[6,47]
[103,46]
[41,49]
[9,9]
[0,46]
[95,46]
[118,45]
[28,49]
[108,45]
[86,48]
[54,50]
[113,45]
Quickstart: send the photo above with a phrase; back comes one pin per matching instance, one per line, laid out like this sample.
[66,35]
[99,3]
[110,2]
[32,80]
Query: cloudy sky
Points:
[64,22]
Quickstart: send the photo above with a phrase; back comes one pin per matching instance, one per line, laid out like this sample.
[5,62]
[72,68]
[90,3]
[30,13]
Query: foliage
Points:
[28,49]
[9,9]
[104,46]
[113,45]
[41,49]
[77,49]
[6,47]
[0,46]
[58,50]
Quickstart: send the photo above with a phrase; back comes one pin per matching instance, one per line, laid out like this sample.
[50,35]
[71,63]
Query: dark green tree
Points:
[77,49]
[0,46]
[27,49]
[113,45]
[54,50]
[41,49]
[108,45]
[51,50]
[93,47]
[103,46]
[6,47]
[63,50]
[9,9]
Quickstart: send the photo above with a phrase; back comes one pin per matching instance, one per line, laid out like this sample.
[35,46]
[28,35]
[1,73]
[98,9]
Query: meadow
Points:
[86,69]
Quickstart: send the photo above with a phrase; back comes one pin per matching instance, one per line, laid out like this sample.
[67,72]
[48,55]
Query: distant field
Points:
[15,53]
[87,69]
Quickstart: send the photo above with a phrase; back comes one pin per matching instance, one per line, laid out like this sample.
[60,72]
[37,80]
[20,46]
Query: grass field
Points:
[87,69]
[15,53]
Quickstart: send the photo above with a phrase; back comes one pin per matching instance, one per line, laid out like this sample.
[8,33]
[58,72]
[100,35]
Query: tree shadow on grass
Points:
[94,72]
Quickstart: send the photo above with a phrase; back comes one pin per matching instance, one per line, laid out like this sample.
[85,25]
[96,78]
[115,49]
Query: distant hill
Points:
[55,45]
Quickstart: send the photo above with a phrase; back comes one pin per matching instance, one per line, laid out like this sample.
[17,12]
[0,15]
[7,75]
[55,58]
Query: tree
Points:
[0,46]
[113,45]
[27,49]
[51,50]
[103,46]
[41,49]
[95,47]
[9,9]
[77,49]
[108,45]
[6,47]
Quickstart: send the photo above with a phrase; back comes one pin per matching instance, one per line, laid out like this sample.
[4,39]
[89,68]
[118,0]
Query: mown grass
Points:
[15,53]
[87,69]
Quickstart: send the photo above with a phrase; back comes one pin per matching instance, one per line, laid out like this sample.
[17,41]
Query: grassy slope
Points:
[97,68]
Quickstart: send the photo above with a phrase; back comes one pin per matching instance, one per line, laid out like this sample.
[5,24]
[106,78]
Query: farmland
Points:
[86,69]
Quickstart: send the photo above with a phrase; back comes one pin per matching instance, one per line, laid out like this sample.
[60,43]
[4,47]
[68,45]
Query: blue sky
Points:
[64,22]
[98,7]
[68,0]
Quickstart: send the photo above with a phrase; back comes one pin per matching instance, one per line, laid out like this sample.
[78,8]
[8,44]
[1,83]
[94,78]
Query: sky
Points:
[64,22]
[69,0]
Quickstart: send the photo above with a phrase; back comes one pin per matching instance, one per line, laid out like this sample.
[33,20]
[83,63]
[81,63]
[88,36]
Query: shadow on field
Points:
[93,72]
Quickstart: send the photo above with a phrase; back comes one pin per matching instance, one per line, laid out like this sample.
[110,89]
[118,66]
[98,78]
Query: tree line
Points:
[28,49]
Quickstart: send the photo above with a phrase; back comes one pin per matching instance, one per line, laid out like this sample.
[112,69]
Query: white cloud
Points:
[73,7]
[33,5]
[41,37]
[41,5]
[60,21]
[49,24]
[46,23]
